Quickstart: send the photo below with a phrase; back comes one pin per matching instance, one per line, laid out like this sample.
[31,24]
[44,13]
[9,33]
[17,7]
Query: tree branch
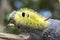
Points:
[14,37]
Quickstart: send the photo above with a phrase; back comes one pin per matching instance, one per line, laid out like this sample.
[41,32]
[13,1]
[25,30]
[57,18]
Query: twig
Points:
[12,36]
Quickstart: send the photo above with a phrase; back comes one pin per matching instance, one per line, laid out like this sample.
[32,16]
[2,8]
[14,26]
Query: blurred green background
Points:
[47,8]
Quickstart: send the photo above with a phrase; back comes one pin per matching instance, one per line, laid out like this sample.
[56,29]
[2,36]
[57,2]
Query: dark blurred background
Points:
[47,8]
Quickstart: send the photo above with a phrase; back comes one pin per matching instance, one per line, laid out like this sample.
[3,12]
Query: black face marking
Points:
[23,14]
[28,15]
